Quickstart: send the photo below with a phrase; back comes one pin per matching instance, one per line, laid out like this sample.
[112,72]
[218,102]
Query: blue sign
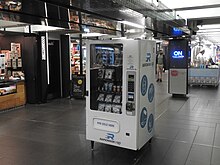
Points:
[151,92]
[148,57]
[110,136]
[178,54]
[177,32]
[143,117]
[144,84]
[150,124]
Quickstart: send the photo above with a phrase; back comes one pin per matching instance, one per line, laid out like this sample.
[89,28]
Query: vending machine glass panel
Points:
[106,77]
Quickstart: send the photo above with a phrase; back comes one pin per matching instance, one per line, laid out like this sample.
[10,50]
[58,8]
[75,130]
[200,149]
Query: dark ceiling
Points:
[108,8]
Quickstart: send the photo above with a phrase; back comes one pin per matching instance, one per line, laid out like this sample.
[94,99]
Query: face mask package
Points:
[108,108]
[101,107]
[101,97]
[109,73]
[108,98]
[116,109]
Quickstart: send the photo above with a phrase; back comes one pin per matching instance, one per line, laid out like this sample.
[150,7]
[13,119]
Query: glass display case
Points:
[7,87]
[106,77]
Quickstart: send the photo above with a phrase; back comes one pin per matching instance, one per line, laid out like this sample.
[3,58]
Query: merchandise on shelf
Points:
[11,62]
[75,58]
[108,70]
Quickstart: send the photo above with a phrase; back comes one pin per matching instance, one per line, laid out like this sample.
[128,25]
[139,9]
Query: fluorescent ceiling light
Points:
[135,31]
[212,33]
[131,12]
[149,1]
[208,26]
[188,3]
[92,34]
[119,38]
[38,28]
[208,30]
[132,24]
[86,30]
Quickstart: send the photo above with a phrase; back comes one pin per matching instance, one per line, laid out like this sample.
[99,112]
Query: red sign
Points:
[174,73]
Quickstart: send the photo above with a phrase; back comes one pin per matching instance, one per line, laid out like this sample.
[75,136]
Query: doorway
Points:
[54,87]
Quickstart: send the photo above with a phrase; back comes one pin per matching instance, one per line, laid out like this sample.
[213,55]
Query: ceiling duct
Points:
[151,10]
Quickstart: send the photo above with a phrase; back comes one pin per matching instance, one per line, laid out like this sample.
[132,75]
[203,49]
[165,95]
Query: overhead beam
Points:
[190,8]
[205,20]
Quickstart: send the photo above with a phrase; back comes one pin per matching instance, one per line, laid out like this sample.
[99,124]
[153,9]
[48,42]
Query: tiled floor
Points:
[187,133]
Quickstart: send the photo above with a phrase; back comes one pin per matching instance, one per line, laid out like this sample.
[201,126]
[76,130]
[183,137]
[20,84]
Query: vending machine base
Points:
[93,143]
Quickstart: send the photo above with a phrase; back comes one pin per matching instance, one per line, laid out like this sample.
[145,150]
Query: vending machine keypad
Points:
[130,104]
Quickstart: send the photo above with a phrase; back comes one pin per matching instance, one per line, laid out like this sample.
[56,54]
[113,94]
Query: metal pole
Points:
[122,30]
[80,44]
[81,54]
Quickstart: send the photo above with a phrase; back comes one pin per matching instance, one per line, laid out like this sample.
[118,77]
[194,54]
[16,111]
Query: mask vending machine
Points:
[120,101]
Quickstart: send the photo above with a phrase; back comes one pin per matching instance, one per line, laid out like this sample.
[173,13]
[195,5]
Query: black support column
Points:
[65,65]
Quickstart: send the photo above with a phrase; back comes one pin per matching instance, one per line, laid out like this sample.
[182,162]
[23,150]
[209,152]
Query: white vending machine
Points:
[120,100]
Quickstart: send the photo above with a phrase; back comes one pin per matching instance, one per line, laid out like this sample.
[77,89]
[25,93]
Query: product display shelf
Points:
[109,92]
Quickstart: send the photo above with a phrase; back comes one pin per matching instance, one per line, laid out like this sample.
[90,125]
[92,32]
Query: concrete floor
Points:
[187,133]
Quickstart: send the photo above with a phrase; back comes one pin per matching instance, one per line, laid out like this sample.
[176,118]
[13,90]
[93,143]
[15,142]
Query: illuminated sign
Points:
[43,47]
[177,32]
[178,54]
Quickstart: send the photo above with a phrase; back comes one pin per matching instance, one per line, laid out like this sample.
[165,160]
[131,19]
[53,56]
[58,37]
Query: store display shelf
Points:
[109,80]
[111,66]
[109,92]
[104,112]
[104,102]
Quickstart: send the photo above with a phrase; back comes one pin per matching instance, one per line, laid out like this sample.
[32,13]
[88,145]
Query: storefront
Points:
[204,69]
[16,50]
[46,62]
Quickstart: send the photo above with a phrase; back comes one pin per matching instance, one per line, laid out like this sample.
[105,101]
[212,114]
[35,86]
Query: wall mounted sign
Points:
[43,47]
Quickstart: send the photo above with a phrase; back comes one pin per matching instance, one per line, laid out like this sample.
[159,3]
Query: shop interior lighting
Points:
[208,30]
[38,28]
[86,30]
[209,26]
[132,24]
[5,24]
[131,12]
[93,35]
[119,38]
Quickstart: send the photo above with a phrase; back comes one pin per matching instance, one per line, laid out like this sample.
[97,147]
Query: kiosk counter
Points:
[207,76]
[12,94]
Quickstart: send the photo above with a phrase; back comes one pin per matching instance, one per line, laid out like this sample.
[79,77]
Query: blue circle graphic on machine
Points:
[150,124]
[144,84]
[143,117]
[151,92]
